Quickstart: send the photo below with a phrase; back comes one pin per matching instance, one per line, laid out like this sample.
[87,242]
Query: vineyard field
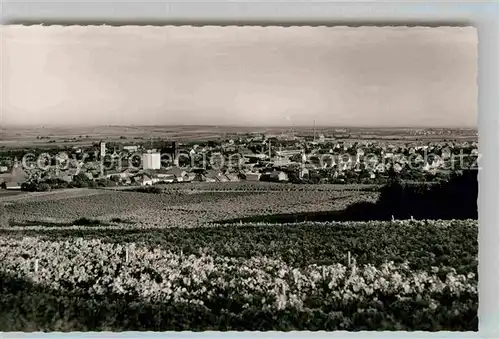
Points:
[402,275]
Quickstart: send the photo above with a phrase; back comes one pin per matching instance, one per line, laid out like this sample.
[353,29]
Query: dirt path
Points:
[29,195]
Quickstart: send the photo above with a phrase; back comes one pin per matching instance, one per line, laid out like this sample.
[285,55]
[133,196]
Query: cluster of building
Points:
[13,178]
[279,158]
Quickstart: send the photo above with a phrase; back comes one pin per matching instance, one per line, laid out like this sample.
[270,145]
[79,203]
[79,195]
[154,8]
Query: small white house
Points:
[380,168]
[232,177]
[17,177]
[279,176]
[397,167]
[446,153]
[190,176]
[437,162]
[131,148]
[177,172]
[13,185]
[252,176]
[303,172]
[169,178]
[144,180]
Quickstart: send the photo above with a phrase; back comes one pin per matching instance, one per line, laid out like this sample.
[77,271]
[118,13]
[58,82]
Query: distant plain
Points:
[16,137]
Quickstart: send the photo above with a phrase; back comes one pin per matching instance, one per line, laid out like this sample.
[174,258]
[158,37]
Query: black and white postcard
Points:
[215,178]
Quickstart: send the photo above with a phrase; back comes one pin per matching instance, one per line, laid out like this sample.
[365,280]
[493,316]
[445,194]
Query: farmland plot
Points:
[402,276]
[101,204]
[166,210]
[194,213]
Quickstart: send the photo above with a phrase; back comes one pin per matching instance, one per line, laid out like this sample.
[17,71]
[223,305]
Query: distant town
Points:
[287,157]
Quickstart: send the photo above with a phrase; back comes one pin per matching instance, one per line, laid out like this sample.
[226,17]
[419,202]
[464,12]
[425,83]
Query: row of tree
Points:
[79,181]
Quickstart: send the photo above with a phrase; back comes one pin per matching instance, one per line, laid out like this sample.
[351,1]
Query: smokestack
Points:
[314,130]
[175,154]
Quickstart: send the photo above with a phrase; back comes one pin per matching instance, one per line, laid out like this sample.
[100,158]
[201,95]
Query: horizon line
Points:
[312,126]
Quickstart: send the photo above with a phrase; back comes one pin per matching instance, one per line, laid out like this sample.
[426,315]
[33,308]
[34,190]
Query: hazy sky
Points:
[239,76]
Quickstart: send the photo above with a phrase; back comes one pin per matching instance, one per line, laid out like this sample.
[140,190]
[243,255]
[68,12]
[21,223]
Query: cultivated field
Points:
[15,136]
[175,209]
[166,262]
[401,276]
[33,136]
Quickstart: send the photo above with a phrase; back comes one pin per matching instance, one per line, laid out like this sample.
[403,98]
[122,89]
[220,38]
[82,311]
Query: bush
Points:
[453,199]
[121,221]
[29,187]
[81,180]
[87,222]
[149,189]
[44,187]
